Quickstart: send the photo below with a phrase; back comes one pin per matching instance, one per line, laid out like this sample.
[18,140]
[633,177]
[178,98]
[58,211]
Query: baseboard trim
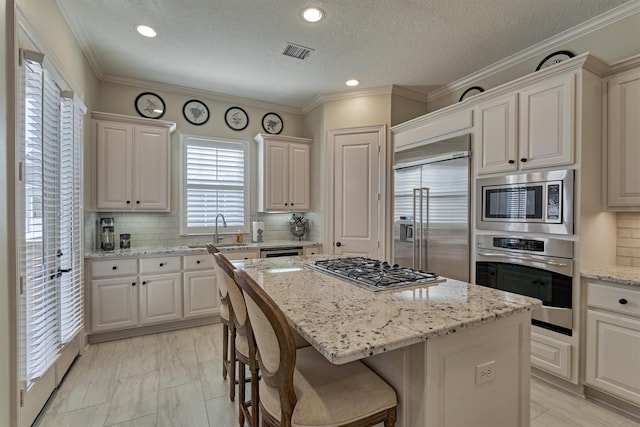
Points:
[152,329]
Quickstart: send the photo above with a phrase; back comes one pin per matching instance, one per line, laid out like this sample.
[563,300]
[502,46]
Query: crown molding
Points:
[183,90]
[74,22]
[380,90]
[624,65]
[537,49]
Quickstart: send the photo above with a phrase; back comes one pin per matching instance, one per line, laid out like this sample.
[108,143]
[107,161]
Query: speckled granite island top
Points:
[345,322]
[625,275]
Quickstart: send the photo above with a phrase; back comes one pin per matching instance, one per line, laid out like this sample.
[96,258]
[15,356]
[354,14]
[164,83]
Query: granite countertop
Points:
[345,322]
[625,275]
[196,249]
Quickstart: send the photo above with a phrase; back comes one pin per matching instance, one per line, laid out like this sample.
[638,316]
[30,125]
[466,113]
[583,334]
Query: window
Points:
[215,181]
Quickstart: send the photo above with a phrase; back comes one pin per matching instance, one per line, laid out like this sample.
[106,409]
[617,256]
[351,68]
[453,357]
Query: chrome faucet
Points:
[217,239]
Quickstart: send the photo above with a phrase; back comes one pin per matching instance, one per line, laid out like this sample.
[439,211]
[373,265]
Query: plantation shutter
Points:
[215,181]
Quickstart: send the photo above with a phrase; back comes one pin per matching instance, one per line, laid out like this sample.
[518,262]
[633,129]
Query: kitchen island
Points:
[457,354]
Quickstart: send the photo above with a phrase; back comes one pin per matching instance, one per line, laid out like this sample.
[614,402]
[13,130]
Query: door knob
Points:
[338,244]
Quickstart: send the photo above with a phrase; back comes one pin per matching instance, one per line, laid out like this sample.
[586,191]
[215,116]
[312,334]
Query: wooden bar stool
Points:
[302,388]
[244,348]
[228,367]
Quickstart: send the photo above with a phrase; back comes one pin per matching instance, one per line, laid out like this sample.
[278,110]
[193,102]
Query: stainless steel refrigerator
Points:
[431,208]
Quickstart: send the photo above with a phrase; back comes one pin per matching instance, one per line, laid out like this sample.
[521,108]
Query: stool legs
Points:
[232,365]
[225,350]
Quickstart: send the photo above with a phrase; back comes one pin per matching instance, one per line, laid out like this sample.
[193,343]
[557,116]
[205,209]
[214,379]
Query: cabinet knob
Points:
[137,202]
[622,301]
[338,244]
[115,267]
[198,262]
[286,204]
[511,162]
[133,284]
[523,160]
[291,204]
[128,202]
[162,264]
[144,283]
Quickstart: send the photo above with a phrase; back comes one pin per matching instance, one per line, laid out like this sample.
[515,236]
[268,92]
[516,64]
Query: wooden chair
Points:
[228,367]
[244,349]
[302,387]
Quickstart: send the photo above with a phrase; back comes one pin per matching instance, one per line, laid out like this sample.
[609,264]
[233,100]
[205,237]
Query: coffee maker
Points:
[106,232]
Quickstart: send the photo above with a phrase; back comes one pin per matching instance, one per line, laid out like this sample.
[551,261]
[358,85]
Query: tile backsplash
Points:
[163,229]
[628,239]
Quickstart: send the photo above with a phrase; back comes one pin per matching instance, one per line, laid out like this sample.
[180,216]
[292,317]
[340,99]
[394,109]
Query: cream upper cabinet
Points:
[497,134]
[132,163]
[547,120]
[529,128]
[623,149]
[284,176]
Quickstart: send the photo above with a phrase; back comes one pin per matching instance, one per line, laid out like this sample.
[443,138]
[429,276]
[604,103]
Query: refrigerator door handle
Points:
[424,230]
[416,229]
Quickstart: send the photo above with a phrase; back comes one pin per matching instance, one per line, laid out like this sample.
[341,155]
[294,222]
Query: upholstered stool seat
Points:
[328,394]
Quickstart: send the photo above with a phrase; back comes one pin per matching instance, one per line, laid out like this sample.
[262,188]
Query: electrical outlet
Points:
[485,372]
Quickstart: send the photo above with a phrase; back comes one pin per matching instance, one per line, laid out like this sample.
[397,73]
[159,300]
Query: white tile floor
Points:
[174,379]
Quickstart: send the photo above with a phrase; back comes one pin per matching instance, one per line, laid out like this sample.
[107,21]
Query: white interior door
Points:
[358,178]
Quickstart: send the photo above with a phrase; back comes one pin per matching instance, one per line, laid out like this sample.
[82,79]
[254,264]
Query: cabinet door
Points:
[613,352]
[623,186]
[276,179]
[160,298]
[200,294]
[497,143]
[547,118]
[151,169]
[299,175]
[114,165]
[114,303]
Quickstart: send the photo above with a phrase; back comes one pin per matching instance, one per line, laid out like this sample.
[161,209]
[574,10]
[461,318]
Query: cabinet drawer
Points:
[160,264]
[551,355]
[198,262]
[114,267]
[614,298]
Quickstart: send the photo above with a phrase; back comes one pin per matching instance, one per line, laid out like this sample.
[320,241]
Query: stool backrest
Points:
[235,294]
[222,286]
[275,343]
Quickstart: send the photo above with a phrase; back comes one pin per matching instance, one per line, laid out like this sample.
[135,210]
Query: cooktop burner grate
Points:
[375,275]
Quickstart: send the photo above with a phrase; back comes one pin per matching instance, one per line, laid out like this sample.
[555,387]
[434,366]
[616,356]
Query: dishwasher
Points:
[276,252]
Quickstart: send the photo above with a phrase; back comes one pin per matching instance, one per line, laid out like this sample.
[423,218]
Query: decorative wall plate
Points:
[555,58]
[473,90]
[196,112]
[236,118]
[150,105]
[272,123]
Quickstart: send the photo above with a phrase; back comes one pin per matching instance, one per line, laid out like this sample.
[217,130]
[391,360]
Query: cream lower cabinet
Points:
[199,288]
[312,250]
[114,303]
[160,298]
[613,340]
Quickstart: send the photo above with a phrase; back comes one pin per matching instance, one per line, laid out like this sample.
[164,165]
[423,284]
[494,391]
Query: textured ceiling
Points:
[234,47]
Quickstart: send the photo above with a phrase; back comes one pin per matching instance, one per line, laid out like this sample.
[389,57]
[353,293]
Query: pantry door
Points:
[356,175]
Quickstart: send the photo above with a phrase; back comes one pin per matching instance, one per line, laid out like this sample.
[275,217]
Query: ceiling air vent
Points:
[297,51]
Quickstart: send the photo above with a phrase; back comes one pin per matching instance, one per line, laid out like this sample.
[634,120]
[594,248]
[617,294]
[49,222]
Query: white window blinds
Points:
[50,239]
[214,181]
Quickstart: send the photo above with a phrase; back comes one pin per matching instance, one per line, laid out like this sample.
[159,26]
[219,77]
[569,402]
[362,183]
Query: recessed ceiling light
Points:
[146,30]
[352,82]
[312,14]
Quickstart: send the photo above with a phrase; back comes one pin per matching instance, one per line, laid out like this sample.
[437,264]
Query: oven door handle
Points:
[522,257]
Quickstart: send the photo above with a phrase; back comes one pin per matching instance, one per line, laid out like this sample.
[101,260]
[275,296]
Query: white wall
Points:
[7,324]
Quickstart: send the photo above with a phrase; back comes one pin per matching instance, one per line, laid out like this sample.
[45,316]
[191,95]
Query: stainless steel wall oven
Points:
[538,267]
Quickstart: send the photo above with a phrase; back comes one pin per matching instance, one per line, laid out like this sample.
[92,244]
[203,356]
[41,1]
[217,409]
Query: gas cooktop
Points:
[375,275]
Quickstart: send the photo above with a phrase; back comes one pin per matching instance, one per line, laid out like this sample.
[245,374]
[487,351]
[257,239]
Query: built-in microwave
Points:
[538,202]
